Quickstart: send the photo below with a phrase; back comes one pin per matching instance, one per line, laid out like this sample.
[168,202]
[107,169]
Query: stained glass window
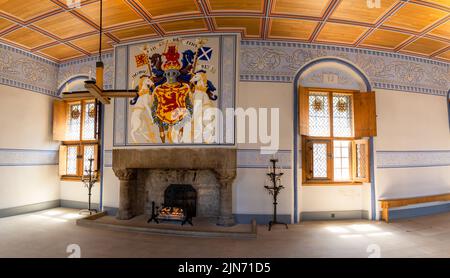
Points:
[320,167]
[342,160]
[89,121]
[74,122]
[72,152]
[342,115]
[319,114]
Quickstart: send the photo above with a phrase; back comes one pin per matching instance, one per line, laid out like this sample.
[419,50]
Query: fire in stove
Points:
[167,213]
[171,213]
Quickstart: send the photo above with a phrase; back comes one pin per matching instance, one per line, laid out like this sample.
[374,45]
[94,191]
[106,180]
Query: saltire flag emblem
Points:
[204,53]
[141,59]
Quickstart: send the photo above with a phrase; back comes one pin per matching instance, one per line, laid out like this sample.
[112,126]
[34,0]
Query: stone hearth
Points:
[145,173]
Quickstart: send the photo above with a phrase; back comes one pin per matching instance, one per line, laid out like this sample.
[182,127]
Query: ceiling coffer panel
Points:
[59,32]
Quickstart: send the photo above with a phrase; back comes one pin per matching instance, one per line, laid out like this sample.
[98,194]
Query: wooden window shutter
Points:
[62,160]
[59,120]
[361,160]
[309,160]
[303,108]
[365,117]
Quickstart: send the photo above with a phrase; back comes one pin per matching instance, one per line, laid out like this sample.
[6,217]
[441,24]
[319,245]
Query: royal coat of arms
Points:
[169,89]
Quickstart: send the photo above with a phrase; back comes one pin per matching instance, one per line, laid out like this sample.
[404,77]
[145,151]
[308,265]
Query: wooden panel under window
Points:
[303,107]
[59,120]
[365,114]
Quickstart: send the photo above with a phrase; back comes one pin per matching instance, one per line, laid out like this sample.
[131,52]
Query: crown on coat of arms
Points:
[172,58]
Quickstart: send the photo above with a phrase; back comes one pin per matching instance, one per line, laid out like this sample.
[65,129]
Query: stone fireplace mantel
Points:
[221,161]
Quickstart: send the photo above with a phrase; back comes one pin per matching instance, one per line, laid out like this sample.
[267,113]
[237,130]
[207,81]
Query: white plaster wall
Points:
[415,181]
[332,198]
[76,191]
[269,95]
[26,120]
[411,122]
[111,188]
[26,185]
[249,195]
[25,123]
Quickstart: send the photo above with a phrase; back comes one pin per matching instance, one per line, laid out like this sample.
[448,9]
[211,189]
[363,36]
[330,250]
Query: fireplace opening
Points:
[181,196]
[180,204]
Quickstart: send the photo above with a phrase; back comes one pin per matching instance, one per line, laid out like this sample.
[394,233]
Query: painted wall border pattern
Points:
[271,61]
[25,70]
[28,157]
[412,159]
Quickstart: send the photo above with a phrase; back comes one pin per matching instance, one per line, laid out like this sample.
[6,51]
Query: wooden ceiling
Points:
[54,30]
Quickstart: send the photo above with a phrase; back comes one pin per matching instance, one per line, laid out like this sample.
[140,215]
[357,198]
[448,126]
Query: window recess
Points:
[75,124]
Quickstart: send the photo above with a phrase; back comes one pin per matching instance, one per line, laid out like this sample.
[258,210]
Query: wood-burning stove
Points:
[180,204]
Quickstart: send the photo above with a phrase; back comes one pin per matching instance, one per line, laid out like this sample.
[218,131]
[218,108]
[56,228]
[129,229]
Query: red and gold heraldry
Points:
[172,102]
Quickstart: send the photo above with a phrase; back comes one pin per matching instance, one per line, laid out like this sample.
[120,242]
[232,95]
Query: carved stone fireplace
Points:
[145,174]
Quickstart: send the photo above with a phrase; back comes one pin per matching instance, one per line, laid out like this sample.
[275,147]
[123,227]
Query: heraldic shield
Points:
[172,105]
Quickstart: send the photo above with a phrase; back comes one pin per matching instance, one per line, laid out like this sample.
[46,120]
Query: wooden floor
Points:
[48,233]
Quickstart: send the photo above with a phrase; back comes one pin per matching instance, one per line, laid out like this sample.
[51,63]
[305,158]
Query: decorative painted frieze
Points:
[27,71]
[407,159]
[280,61]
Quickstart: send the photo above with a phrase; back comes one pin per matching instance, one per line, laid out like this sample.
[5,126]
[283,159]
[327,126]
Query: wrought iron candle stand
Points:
[274,189]
[89,180]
